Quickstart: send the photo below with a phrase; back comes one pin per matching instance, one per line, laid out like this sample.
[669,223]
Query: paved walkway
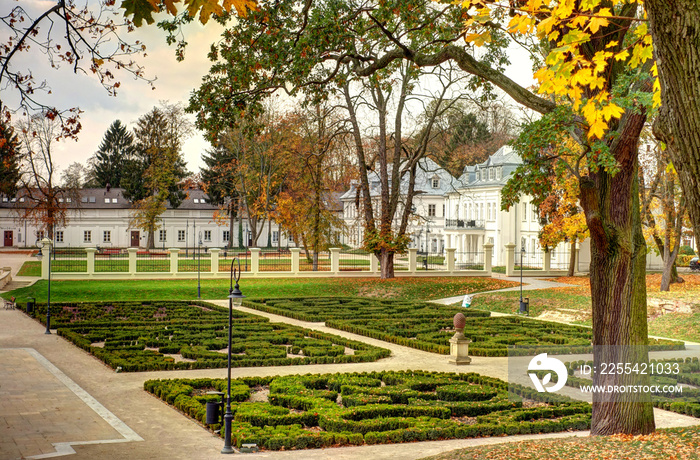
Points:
[57,399]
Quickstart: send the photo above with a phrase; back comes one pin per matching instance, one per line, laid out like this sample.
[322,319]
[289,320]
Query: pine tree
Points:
[108,163]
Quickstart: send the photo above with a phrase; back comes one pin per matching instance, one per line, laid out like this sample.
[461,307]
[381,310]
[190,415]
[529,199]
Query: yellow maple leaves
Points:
[571,70]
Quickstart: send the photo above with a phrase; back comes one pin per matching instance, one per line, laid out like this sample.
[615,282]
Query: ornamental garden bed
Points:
[145,336]
[664,375]
[313,411]
[427,326]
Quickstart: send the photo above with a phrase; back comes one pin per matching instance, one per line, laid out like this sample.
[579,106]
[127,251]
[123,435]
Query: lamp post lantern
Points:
[235,296]
[39,255]
[199,257]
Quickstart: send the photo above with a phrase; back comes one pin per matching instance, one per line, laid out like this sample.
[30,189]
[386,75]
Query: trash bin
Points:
[213,412]
[30,305]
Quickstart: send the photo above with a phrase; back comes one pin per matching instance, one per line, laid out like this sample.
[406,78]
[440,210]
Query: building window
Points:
[87,236]
[92,199]
[491,173]
[499,173]
[181,235]
[524,206]
[114,200]
[69,200]
[107,236]
[435,182]
[431,210]
[275,236]
[443,210]
[207,235]
[59,236]
[227,235]
[162,235]
[535,214]
[106,200]
[83,199]
[196,200]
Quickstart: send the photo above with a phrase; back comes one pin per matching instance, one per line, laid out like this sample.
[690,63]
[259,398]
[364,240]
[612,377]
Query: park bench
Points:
[10,304]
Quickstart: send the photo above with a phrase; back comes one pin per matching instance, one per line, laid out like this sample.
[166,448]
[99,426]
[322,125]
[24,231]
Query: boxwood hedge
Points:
[310,411]
[428,326]
[142,336]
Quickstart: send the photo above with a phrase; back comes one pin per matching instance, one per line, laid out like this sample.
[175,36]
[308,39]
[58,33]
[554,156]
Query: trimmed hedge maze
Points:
[312,411]
[675,372]
[145,336]
[427,326]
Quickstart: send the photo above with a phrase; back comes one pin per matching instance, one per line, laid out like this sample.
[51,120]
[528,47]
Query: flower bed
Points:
[144,336]
[313,411]
[428,327]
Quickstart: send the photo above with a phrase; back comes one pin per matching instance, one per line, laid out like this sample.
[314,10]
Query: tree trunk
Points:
[618,285]
[231,221]
[386,262]
[572,258]
[674,27]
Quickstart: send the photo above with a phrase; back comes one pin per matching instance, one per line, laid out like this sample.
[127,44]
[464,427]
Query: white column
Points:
[132,260]
[254,260]
[510,259]
[412,259]
[214,260]
[90,253]
[335,259]
[488,257]
[46,259]
[295,259]
[450,255]
[174,252]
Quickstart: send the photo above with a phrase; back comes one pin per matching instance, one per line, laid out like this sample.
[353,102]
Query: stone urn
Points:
[459,321]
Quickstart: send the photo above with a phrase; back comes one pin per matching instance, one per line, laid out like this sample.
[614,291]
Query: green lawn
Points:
[676,443]
[119,290]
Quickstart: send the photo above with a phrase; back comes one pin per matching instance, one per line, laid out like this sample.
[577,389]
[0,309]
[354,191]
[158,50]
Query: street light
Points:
[199,257]
[234,296]
[47,242]
[524,304]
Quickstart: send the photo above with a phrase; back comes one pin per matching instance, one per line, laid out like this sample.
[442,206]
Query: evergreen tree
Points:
[9,160]
[219,181]
[108,163]
[152,178]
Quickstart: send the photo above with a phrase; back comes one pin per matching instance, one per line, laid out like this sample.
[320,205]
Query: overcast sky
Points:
[175,81]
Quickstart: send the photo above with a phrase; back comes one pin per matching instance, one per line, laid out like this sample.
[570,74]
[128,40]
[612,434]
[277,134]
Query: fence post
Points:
[132,260]
[214,260]
[174,252]
[488,258]
[46,251]
[510,259]
[450,255]
[90,255]
[335,259]
[412,259]
[373,263]
[295,259]
[254,261]
[547,261]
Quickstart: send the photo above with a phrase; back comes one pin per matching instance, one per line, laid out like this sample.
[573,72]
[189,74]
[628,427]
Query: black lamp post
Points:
[39,256]
[199,257]
[524,305]
[234,296]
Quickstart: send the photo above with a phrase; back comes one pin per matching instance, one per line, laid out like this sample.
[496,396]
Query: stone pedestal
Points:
[459,349]
[459,344]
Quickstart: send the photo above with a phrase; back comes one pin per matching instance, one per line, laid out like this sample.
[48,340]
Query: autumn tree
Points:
[152,177]
[45,205]
[243,77]
[595,85]
[664,210]
[9,160]
[74,176]
[320,127]
[219,181]
[674,28]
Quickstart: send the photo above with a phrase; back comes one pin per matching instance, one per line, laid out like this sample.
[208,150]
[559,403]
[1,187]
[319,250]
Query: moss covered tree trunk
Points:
[618,287]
